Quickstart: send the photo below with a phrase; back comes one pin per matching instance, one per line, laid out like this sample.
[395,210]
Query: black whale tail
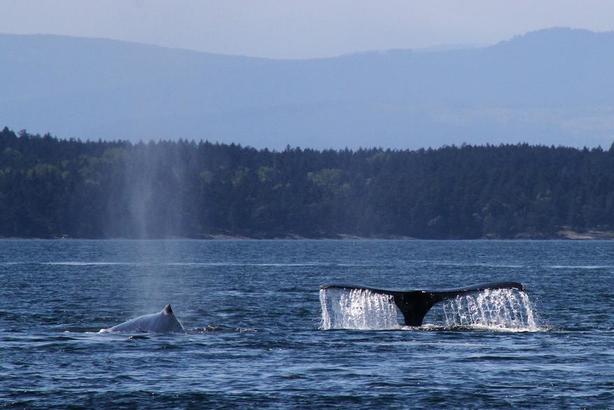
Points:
[415,304]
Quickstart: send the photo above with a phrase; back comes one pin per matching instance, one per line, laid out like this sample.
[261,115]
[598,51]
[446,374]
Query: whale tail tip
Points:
[168,310]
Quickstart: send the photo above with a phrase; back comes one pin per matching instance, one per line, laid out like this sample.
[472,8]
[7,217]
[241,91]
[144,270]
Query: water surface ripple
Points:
[253,311]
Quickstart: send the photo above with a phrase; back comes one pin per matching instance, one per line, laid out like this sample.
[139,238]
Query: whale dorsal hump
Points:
[168,310]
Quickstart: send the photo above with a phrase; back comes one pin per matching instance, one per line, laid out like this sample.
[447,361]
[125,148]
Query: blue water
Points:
[253,311]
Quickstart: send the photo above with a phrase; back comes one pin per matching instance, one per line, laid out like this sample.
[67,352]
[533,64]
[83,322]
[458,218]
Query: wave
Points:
[587,267]
[478,265]
[430,327]
[188,264]
[77,263]
[291,264]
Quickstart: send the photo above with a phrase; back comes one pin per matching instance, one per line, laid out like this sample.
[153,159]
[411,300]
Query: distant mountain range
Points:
[552,86]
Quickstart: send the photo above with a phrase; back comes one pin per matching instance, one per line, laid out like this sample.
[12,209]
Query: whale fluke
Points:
[161,322]
[414,304]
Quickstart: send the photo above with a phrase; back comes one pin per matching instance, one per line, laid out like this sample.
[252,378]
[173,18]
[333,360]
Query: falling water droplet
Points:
[498,309]
[357,309]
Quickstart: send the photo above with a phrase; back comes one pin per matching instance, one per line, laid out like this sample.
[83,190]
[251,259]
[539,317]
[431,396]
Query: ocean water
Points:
[257,336]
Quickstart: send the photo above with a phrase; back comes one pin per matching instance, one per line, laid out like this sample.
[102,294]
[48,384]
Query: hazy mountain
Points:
[552,86]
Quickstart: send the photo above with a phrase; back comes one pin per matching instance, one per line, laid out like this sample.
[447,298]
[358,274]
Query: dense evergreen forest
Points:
[52,187]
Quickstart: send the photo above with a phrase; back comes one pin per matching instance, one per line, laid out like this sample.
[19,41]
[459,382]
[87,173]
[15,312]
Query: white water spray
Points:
[357,309]
[497,309]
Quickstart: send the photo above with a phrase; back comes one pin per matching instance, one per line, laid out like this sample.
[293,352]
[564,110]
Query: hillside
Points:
[548,87]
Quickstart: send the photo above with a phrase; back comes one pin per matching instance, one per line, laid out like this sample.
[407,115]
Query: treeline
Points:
[51,187]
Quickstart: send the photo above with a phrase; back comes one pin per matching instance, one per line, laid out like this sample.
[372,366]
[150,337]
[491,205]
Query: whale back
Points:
[164,321]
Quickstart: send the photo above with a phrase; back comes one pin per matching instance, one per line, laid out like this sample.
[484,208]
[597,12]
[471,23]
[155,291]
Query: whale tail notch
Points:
[415,304]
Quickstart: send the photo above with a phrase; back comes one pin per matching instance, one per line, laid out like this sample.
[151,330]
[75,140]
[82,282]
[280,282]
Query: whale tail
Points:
[415,304]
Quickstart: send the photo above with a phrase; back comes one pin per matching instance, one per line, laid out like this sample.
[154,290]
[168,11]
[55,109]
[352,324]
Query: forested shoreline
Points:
[51,187]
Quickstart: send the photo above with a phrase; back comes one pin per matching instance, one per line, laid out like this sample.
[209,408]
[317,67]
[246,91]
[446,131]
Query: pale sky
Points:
[301,29]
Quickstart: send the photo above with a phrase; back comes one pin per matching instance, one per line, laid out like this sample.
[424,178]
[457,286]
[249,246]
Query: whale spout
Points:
[414,304]
[164,321]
